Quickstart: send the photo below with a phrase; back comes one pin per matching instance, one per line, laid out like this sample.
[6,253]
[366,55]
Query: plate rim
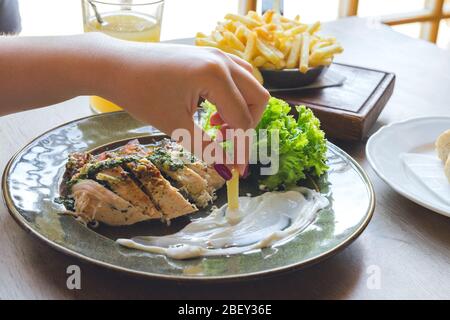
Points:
[21,221]
[402,191]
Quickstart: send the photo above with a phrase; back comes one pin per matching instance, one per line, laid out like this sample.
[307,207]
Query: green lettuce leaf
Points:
[302,144]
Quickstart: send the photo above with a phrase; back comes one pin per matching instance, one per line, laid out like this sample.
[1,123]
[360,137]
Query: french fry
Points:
[270,27]
[313,42]
[324,62]
[320,44]
[233,41]
[272,41]
[231,50]
[286,48]
[276,18]
[257,74]
[205,42]
[263,33]
[271,53]
[314,27]
[253,15]
[241,33]
[229,25]
[326,52]
[218,37]
[268,15]
[295,52]
[250,46]
[280,64]
[259,61]
[287,25]
[243,19]
[304,53]
[269,66]
[201,35]
[296,30]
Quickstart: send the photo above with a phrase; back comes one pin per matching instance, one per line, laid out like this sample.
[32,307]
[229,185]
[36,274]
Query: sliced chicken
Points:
[76,161]
[214,180]
[167,198]
[129,185]
[186,179]
[93,202]
[173,167]
[120,182]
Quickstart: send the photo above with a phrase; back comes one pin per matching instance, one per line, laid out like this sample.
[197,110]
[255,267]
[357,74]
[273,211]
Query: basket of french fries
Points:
[283,52]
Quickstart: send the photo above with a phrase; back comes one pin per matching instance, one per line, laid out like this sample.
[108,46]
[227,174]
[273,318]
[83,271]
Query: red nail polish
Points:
[223,171]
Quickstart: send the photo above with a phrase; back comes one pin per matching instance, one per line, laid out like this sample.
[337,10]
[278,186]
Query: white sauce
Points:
[261,221]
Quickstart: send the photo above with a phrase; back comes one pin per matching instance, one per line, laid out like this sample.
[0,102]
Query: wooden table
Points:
[409,245]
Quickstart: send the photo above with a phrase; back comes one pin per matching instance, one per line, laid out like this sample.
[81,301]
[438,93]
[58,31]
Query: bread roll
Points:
[443,146]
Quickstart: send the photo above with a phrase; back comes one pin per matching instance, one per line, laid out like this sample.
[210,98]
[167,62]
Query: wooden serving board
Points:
[347,112]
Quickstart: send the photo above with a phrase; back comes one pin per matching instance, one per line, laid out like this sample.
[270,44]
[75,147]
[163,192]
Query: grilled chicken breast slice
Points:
[167,198]
[124,186]
[94,202]
[192,183]
[214,180]
[186,179]
[75,162]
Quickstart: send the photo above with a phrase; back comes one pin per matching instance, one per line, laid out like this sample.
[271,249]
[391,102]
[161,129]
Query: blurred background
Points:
[426,19]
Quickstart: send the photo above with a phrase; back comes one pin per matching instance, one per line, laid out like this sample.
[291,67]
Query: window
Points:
[372,8]
[443,39]
[427,19]
[310,11]
[407,15]
[184,18]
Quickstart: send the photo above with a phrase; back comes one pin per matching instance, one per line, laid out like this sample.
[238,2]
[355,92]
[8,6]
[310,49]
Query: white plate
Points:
[386,150]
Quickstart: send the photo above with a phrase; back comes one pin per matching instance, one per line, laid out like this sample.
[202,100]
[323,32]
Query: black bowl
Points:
[291,78]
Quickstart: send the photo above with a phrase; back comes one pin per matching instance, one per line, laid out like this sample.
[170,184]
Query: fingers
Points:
[252,91]
[241,142]
[256,98]
[254,94]
[240,100]
[223,92]
[241,62]
[194,139]
[239,97]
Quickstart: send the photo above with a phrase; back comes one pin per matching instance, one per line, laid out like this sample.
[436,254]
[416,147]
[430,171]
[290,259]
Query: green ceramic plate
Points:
[30,185]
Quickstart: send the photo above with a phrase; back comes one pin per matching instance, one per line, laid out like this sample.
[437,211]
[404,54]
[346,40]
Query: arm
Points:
[158,84]
[40,71]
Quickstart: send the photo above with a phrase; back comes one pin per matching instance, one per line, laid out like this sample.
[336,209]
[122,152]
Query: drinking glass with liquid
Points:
[132,20]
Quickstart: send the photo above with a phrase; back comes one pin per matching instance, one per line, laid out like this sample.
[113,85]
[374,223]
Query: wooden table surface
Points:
[407,245]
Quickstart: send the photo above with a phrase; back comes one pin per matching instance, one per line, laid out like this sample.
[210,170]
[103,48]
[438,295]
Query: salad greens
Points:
[302,145]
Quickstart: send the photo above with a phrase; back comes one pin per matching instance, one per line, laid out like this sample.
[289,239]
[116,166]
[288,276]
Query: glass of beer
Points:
[133,20]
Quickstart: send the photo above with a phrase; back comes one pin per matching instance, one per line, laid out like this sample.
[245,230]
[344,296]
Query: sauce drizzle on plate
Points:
[266,220]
